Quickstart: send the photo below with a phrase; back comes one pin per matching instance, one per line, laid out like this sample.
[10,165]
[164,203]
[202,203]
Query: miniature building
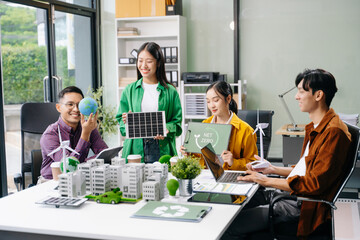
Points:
[99,161]
[115,176]
[118,161]
[131,182]
[100,179]
[72,184]
[151,190]
[86,168]
[141,167]
[157,173]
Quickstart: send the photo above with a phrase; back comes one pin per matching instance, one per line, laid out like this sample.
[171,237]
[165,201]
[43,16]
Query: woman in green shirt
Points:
[151,92]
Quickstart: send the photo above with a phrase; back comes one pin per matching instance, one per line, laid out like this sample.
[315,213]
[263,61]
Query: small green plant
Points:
[187,167]
[107,121]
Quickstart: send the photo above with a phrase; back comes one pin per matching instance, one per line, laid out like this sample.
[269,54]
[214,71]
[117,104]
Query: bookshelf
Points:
[167,31]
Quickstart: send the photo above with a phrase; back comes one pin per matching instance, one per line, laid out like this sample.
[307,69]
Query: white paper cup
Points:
[135,158]
[55,169]
[173,160]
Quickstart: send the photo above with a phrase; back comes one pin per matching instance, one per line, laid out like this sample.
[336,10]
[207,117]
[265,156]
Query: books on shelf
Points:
[127,31]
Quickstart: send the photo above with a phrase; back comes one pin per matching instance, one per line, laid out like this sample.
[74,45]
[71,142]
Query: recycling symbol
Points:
[172,211]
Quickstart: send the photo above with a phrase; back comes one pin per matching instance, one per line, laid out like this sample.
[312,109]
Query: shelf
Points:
[205,84]
[134,37]
[149,19]
[134,65]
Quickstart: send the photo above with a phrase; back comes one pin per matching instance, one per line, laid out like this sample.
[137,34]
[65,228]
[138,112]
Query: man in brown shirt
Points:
[318,172]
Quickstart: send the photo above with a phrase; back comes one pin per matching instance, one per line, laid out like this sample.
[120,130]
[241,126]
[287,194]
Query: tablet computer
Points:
[218,198]
[108,154]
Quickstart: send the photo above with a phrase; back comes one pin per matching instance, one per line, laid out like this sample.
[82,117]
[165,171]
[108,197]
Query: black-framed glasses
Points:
[70,105]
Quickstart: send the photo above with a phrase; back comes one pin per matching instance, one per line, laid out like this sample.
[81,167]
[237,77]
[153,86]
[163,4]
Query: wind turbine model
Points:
[259,127]
[63,145]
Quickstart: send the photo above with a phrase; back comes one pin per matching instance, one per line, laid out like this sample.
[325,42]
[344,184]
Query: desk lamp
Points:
[294,127]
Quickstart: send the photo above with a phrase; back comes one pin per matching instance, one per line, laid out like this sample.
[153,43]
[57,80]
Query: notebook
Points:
[214,163]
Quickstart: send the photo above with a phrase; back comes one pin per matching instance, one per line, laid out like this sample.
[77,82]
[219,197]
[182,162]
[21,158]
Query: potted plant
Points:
[107,124]
[185,170]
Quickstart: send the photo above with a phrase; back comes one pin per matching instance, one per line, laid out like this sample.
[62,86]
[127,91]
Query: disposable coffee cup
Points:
[173,161]
[135,158]
[55,169]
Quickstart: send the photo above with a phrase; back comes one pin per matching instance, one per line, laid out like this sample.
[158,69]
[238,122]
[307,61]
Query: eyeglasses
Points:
[70,105]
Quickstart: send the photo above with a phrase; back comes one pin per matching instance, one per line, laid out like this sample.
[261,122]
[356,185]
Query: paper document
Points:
[225,188]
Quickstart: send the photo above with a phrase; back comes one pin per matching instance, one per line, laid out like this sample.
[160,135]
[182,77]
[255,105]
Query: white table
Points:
[21,218]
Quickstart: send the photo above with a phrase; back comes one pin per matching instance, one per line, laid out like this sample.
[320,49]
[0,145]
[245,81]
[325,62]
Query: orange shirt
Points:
[242,144]
[329,143]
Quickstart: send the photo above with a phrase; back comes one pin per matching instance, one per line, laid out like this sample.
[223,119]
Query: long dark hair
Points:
[225,90]
[156,52]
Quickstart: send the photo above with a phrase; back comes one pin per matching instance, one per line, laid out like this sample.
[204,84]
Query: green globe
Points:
[87,106]
[71,164]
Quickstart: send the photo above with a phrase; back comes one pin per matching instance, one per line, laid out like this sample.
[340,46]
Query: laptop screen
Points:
[212,161]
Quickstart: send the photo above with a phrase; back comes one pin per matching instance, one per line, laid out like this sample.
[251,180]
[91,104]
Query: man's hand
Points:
[88,126]
[268,170]
[227,156]
[254,177]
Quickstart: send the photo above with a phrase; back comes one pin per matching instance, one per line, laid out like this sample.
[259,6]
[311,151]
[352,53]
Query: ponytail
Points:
[233,105]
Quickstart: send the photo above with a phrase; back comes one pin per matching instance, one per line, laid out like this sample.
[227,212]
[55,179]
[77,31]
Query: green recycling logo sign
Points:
[171,211]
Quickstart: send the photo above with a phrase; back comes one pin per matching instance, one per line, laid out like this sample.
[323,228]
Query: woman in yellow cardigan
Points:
[242,144]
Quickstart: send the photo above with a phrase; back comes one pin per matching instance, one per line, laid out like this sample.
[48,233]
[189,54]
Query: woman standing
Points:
[151,92]
[242,144]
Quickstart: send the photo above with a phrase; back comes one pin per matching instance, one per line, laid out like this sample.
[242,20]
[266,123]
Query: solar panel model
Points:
[145,124]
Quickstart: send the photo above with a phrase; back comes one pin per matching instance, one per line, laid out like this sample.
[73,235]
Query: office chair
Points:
[34,119]
[36,161]
[265,116]
[286,229]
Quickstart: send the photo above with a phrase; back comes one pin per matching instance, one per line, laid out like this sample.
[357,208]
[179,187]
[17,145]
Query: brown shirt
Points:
[329,143]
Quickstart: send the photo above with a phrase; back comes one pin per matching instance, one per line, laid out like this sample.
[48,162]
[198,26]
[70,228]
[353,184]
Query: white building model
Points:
[72,184]
[100,179]
[156,175]
[95,177]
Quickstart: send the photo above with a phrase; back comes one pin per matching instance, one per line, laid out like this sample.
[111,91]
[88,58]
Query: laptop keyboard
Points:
[230,177]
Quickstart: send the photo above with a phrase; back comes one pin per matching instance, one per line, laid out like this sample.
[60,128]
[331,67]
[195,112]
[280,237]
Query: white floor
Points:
[347,219]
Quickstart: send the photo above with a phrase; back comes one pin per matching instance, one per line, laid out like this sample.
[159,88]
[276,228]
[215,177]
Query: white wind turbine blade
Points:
[72,150]
[54,151]
[59,134]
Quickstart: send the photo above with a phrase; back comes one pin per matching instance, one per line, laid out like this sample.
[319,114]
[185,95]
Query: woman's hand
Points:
[227,156]
[124,117]
[161,137]
[183,150]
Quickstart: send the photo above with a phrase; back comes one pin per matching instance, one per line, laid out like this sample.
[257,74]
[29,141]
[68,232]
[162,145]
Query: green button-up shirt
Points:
[169,101]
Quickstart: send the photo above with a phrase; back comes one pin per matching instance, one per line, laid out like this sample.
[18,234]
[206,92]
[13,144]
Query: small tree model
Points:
[187,167]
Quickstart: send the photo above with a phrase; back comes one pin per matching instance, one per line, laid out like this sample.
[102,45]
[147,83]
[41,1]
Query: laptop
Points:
[214,163]
[108,154]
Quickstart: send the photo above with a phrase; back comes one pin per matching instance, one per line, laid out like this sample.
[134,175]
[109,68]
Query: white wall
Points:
[280,38]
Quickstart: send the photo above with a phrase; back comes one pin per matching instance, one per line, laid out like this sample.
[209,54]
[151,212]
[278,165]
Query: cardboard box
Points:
[151,8]
[127,8]
[123,82]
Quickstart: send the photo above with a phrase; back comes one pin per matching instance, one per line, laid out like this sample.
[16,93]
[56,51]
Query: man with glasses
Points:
[82,134]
